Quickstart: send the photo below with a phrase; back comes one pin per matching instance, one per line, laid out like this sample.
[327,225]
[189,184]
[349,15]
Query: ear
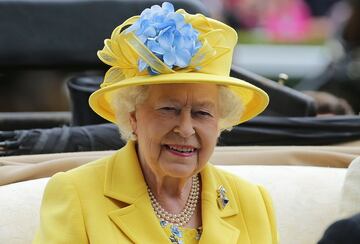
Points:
[133,121]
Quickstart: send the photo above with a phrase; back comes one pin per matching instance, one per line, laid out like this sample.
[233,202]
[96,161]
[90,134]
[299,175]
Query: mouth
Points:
[181,150]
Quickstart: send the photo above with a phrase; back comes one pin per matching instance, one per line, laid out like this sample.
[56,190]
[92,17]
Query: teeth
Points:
[182,150]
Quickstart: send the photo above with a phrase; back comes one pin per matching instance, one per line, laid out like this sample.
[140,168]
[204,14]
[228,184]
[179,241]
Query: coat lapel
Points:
[215,227]
[124,182]
[139,222]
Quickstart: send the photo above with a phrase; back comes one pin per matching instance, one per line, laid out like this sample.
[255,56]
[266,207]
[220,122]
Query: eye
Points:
[168,108]
[201,113]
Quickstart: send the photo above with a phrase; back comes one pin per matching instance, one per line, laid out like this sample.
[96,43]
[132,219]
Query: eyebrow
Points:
[203,104]
[206,104]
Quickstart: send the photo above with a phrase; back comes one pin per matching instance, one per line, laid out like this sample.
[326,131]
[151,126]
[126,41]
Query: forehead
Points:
[185,93]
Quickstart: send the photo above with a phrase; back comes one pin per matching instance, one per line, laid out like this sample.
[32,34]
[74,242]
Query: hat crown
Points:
[148,47]
[180,48]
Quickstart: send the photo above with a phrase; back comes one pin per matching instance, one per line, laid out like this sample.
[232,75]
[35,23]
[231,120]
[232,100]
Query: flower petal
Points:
[168,7]
[169,59]
[183,58]
[155,8]
[144,24]
[155,47]
[178,19]
[168,35]
[165,39]
[145,13]
[150,31]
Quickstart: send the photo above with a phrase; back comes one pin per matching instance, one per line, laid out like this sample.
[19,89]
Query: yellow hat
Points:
[161,47]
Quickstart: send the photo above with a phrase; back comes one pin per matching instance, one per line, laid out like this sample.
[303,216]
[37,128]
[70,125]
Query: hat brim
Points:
[254,99]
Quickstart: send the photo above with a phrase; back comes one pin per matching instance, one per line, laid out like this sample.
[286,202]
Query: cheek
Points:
[210,139]
[160,125]
[211,131]
[149,148]
[146,136]
[208,136]
[151,131]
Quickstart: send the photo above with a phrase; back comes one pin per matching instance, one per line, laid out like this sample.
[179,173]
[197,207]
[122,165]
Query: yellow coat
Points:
[106,202]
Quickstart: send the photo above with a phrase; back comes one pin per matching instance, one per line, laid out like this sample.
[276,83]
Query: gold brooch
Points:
[222,199]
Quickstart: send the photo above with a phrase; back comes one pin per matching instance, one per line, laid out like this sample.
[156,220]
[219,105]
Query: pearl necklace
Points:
[185,215]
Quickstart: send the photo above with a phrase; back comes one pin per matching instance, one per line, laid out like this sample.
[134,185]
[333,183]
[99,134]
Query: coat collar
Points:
[124,182]
[215,227]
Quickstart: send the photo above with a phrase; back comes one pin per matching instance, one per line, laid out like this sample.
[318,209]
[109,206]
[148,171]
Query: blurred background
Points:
[306,39]
[315,42]
[304,53]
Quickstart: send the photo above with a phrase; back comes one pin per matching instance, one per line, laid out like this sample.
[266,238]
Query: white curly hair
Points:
[125,100]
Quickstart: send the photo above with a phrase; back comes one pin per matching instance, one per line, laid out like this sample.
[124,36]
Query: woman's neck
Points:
[166,186]
[172,193]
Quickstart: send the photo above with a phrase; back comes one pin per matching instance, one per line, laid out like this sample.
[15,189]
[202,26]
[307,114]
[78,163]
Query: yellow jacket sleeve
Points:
[61,215]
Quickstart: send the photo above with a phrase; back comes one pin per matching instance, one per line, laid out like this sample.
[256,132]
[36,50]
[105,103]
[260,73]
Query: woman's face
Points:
[177,128]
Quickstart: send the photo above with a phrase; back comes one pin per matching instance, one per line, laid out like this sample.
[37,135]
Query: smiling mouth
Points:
[184,151]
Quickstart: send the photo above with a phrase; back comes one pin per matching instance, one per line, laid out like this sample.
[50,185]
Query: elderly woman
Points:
[170,93]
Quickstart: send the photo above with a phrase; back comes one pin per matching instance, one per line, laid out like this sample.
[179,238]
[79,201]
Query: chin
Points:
[179,170]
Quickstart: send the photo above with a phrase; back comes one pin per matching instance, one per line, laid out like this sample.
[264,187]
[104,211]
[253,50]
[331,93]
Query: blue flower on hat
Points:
[166,34]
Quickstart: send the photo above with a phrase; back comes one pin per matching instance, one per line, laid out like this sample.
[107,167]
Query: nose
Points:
[185,127]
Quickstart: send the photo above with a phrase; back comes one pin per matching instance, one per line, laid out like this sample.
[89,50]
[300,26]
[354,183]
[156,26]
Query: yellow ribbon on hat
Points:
[123,50]
[146,55]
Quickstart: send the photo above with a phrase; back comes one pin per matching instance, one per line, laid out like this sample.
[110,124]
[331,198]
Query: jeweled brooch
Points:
[222,199]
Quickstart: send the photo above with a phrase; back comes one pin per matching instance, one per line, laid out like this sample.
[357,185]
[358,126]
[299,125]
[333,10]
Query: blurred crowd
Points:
[323,22]
[280,20]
